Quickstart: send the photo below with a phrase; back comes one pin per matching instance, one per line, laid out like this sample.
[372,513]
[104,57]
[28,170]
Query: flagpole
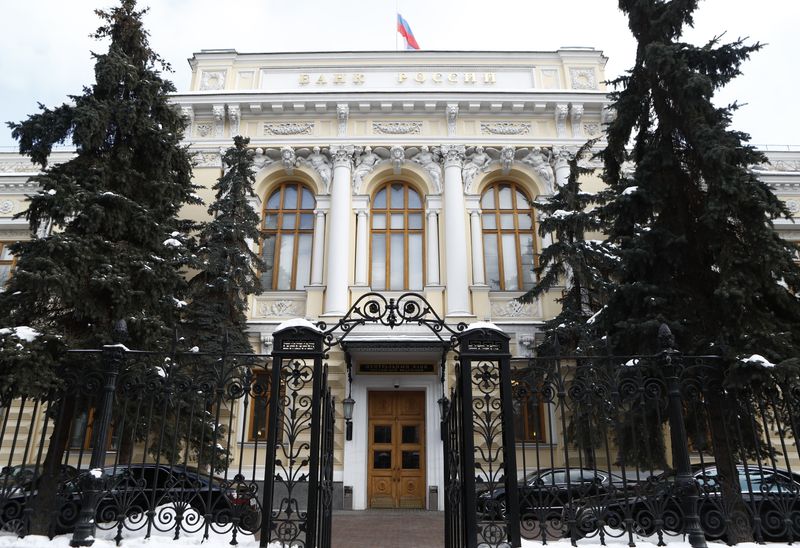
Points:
[396,12]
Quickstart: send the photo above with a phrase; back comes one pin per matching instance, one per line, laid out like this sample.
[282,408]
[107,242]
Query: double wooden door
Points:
[396,476]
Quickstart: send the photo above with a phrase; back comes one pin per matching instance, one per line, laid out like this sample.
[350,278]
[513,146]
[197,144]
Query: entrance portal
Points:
[396,476]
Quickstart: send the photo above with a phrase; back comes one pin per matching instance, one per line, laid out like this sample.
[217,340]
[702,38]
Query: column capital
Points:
[362,212]
[342,155]
[474,211]
[453,155]
[320,212]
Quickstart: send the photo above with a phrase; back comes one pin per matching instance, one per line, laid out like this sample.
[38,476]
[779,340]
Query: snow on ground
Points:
[104,539]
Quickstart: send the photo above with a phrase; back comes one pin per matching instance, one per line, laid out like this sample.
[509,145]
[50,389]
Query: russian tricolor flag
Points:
[405,31]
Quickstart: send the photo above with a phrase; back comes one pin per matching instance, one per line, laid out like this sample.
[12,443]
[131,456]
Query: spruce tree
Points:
[582,265]
[116,243]
[693,225]
[216,314]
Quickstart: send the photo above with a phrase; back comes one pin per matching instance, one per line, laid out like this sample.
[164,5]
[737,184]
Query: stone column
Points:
[338,253]
[455,232]
[362,221]
[478,277]
[319,247]
[433,247]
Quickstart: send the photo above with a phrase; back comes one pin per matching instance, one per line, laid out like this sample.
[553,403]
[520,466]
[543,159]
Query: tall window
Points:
[286,237]
[529,420]
[508,237]
[397,237]
[259,407]
[6,263]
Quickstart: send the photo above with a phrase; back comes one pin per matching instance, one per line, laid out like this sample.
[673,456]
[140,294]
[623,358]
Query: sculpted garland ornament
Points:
[397,128]
[289,128]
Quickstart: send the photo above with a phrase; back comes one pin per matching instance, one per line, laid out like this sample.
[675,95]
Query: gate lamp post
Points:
[443,404]
[347,409]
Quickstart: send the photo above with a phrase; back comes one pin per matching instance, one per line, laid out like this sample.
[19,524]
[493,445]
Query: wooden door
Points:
[396,476]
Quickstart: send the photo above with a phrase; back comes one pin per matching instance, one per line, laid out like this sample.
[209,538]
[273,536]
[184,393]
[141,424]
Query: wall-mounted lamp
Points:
[348,403]
[347,408]
[443,405]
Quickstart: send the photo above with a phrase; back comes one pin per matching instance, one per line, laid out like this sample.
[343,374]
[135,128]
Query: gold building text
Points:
[358,78]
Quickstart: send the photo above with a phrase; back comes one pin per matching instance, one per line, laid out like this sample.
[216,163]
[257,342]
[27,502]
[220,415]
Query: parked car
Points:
[543,494]
[131,491]
[17,486]
[770,494]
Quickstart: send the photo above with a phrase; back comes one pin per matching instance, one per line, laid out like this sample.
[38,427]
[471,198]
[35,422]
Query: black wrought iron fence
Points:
[138,443]
[660,445]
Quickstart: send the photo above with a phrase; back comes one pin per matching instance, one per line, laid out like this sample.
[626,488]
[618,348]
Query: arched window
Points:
[397,238]
[286,237]
[508,237]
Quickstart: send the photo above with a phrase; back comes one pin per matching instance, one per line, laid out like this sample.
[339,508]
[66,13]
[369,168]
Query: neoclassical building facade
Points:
[393,172]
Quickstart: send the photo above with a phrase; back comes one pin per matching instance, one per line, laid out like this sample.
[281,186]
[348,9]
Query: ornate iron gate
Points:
[479,446]
[477,456]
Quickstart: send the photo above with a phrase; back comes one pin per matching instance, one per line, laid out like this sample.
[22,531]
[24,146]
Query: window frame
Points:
[279,232]
[523,415]
[388,231]
[266,374]
[87,427]
[516,211]
[11,263]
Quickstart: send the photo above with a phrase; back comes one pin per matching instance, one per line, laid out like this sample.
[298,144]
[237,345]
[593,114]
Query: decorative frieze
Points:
[511,309]
[592,129]
[18,167]
[780,165]
[279,309]
[206,159]
[212,80]
[289,128]
[505,128]
[583,78]
[6,207]
[204,130]
[397,128]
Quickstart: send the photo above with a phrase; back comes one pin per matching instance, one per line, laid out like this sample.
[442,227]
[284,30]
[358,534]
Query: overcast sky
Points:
[44,44]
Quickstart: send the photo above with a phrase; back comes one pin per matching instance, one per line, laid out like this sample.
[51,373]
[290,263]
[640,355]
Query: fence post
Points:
[93,482]
[685,486]
[485,390]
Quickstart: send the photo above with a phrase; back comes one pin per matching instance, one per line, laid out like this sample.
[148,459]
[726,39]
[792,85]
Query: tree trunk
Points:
[45,505]
[739,527]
